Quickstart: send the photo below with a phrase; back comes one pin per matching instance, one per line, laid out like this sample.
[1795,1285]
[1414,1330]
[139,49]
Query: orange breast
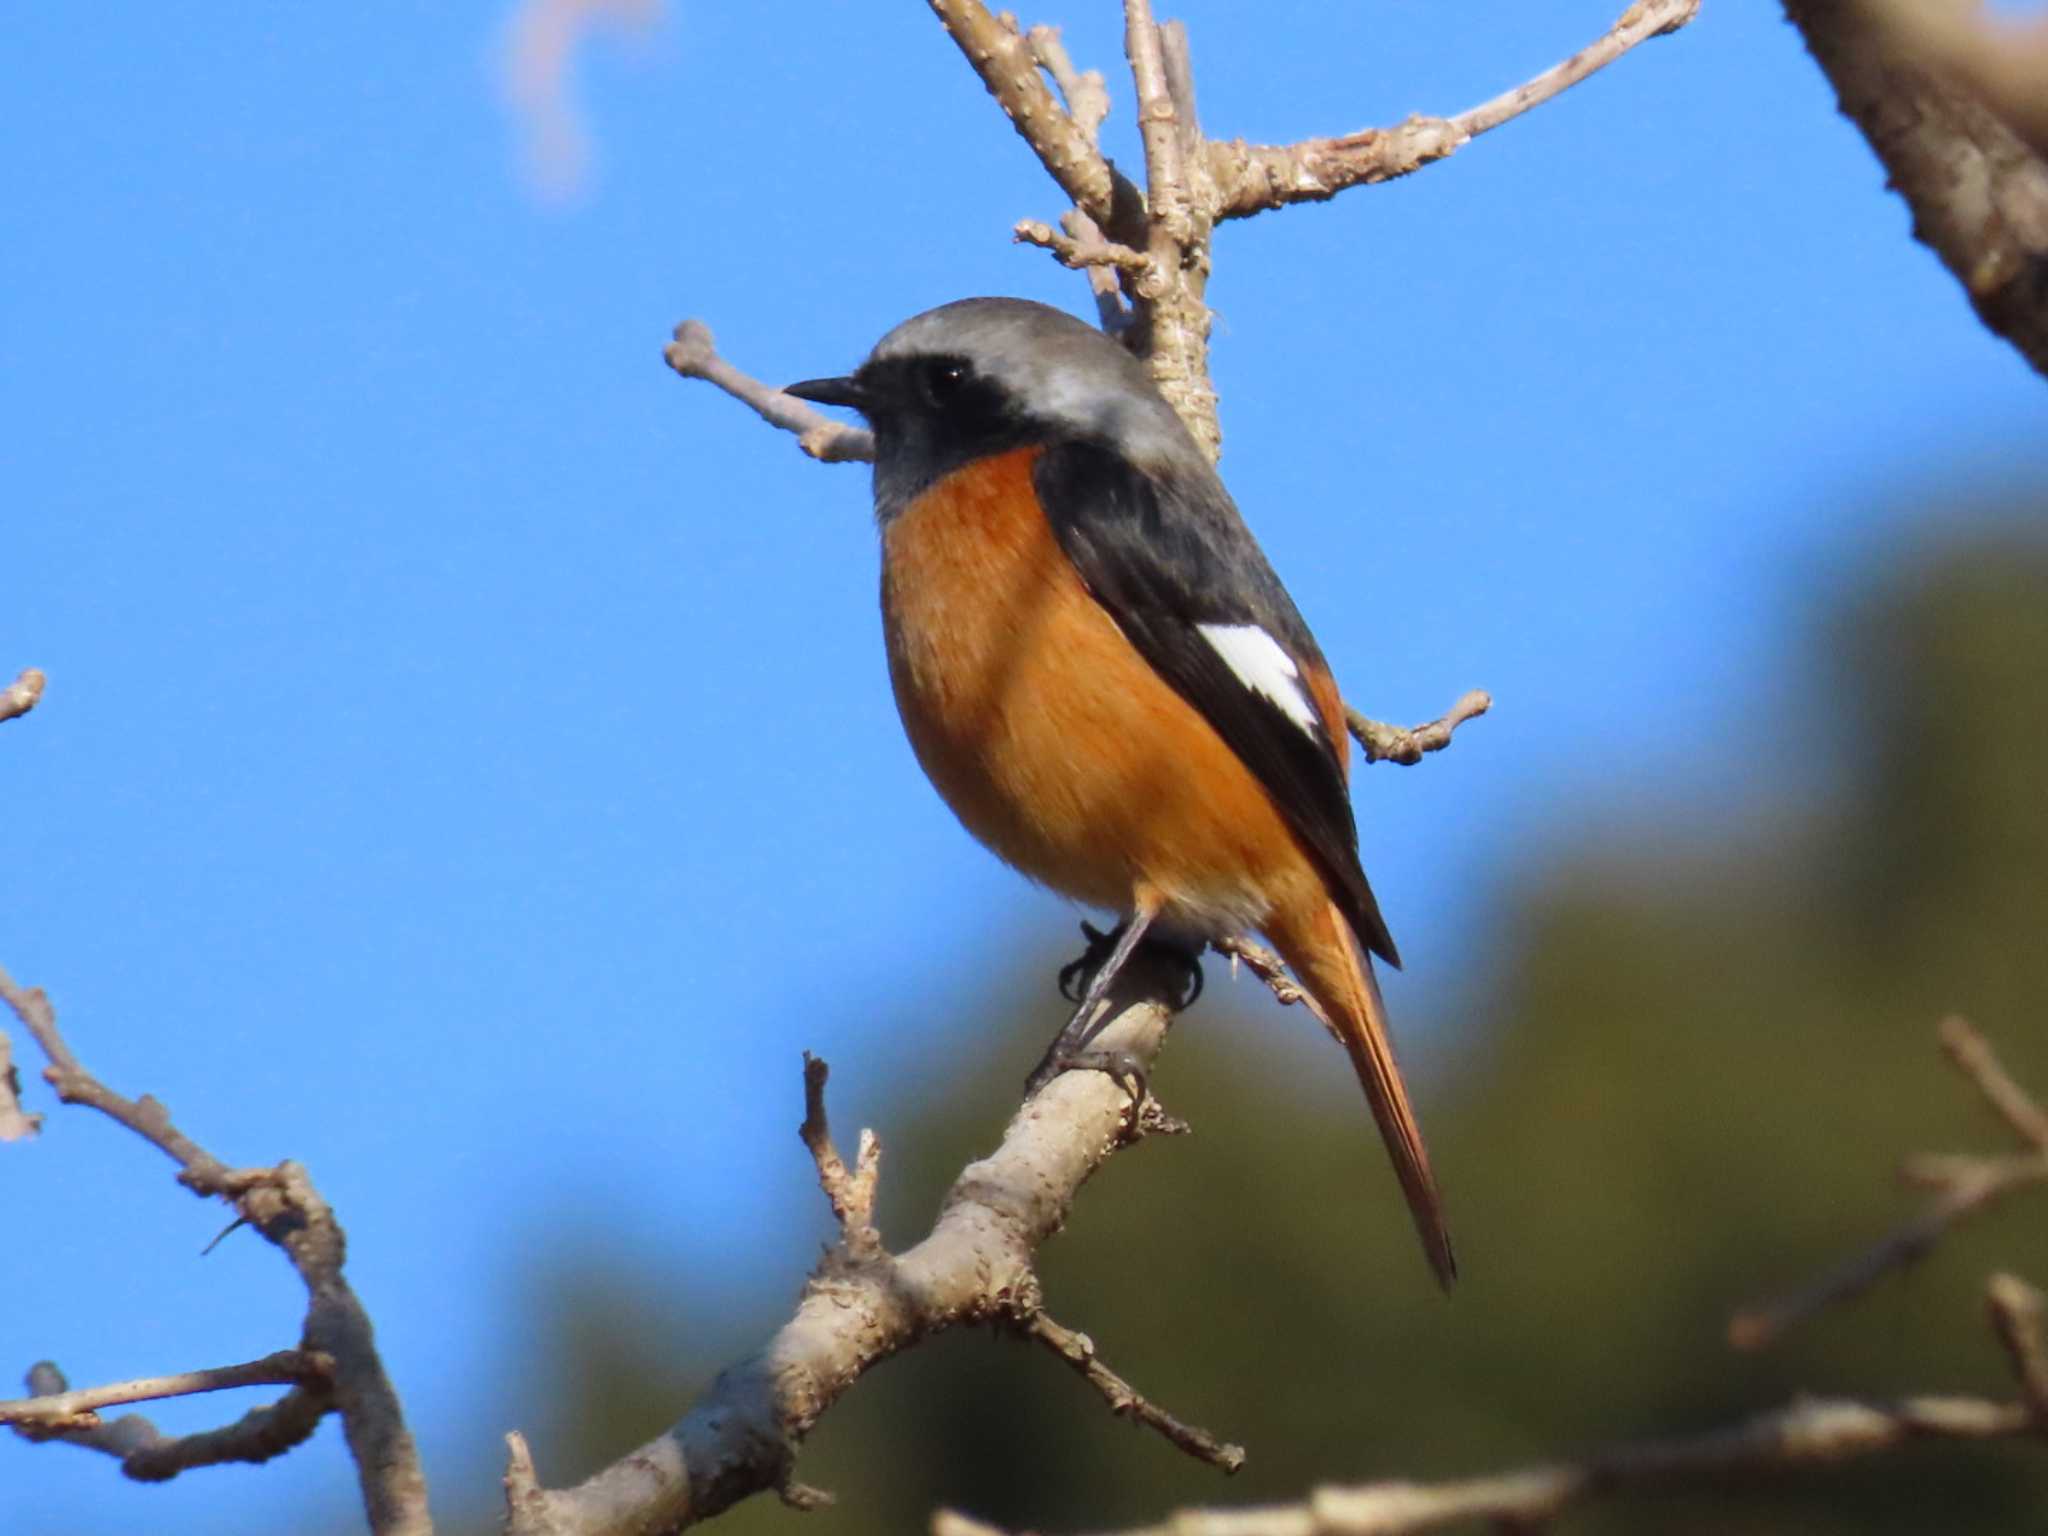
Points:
[1047,732]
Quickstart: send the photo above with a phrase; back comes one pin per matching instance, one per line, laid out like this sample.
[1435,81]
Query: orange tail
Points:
[1325,957]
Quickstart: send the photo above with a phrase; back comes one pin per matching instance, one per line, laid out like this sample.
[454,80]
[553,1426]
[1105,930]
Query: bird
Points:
[1102,676]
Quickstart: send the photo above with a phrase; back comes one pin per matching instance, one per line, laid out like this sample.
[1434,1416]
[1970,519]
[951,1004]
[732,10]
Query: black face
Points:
[931,415]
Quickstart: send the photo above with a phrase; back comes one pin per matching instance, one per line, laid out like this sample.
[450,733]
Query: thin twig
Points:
[1975,1059]
[1087,97]
[21,695]
[1078,1351]
[1004,60]
[2016,1311]
[851,1191]
[1808,1431]
[16,1123]
[1406,745]
[1256,177]
[694,355]
[283,1205]
[1962,1187]
[1272,970]
[148,1455]
[1081,254]
[79,1408]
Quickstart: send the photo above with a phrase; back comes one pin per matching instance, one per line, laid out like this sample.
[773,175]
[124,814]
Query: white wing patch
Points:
[1258,661]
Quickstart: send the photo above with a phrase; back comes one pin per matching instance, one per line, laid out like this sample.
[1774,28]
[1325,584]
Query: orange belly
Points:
[1046,731]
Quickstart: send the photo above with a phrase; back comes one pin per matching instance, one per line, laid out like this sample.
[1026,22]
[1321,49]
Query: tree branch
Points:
[22,695]
[57,1407]
[1977,189]
[1252,178]
[1963,1186]
[1395,744]
[1078,1351]
[694,355]
[282,1204]
[863,1305]
[1812,1430]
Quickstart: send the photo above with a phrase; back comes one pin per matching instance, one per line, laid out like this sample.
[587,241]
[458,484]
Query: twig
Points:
[1087,97]
[2016,1310]
[1963,1186]
[63,1409]
[1974,1058]
[148,1455]
[283,1205]
[1256,177]
[21,695]
[16,1123]
[1272,970]
[1078,1351]
[976,1265]
[1081,254]
[1395,744]
[1811,1430]
[1005,61]
[851,1192]
[694,355]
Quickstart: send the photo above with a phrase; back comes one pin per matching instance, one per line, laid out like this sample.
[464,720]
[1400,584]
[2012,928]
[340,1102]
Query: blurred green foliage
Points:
[1701,1051]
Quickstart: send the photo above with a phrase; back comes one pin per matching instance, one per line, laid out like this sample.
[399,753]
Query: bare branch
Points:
[1256,177]
[852,1192]
[1087,98]
[149,1456]
[283,1205]
[1007,66]
[976,1265]
[1975,1059]
[79,1409]
[2016,1310]
[694,355]
[1078,1351]
[1081,254]
[1811,1430]
[1977,189]
[16,1123]
[1179,215]
[1270,969]
[21,695]
[1962,1187]
[1396,744]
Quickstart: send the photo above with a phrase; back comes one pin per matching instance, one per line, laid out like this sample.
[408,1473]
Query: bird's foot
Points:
[1121,1067]
[1185,953]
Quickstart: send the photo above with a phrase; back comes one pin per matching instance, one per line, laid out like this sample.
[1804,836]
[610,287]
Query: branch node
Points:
[1384,743]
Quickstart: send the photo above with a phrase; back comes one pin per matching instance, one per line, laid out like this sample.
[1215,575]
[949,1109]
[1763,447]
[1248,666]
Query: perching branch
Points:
[282,1204]
[1963,1186]
[1255,177]
[863,1304]
[22,695]
[1932,100]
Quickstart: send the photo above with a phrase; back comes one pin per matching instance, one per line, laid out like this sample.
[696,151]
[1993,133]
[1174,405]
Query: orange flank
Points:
[1058,746]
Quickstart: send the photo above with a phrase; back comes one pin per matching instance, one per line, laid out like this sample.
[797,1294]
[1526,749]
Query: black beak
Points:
[846,391]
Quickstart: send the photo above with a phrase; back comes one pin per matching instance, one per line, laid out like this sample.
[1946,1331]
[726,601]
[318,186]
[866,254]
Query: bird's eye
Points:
[942,379]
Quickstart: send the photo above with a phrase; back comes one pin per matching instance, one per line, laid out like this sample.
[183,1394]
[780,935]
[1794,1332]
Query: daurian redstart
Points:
[1102,675]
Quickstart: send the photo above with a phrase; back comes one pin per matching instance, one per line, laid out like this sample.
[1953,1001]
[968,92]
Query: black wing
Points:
[1168,555]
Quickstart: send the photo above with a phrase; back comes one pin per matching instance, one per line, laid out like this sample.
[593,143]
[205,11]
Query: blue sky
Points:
[468,765]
